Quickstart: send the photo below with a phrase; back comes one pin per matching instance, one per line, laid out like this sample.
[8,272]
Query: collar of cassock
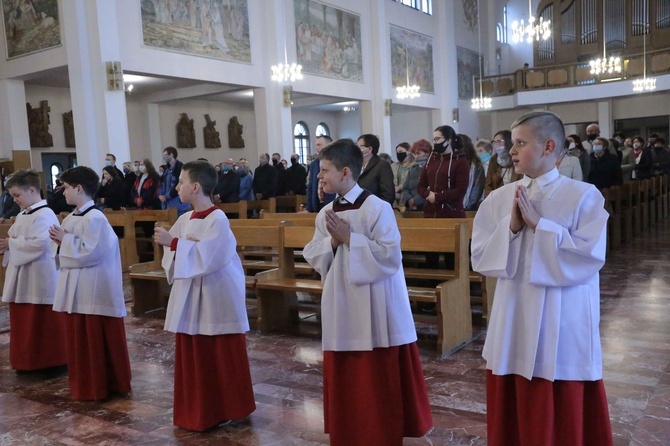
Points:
[351,200]
[83,209]
[542,180]
[36,207]
[202,214]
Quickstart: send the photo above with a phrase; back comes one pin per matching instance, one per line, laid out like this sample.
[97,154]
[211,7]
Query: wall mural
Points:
[30,26]
[328,41]
[419,59]
[468,66]
[210,28]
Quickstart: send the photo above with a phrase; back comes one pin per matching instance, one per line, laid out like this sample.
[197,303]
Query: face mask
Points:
[275,161]
[166,159]
[108,163]
[500,149]
[143,169]
[504,158]
[294,161]
[126,170]
[637,145]
[239,169]
[572,146]
[591,137]
[441,148]
[225,168]
[136,168]
[597,148]
[484,156]
[402,156]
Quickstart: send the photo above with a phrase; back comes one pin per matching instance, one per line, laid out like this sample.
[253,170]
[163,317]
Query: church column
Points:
[605,119]
[446,72]
[14,135]
[100,116]
[154,126]
[374,116]
[274,127]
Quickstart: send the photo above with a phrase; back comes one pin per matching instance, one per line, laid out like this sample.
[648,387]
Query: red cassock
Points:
[212,382]
[98,363]
[522,412]
[375,397]
[37,337]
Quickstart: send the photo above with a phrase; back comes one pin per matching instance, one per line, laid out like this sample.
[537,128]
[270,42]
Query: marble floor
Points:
[286,371]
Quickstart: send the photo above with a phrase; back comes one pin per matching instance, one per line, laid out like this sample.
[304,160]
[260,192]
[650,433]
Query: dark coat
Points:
[313,203]
[645,168]
[449,185]
[228,187]
[605,171]
[265,181]
[377,178]
[148,196]
[296,180]
[114,193]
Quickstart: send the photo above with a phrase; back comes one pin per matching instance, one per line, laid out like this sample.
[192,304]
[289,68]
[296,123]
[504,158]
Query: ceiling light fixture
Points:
[407,91]
[285,72]
[533,30]
[481,102]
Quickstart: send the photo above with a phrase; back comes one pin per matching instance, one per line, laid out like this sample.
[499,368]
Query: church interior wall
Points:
[313,117]
[409,124]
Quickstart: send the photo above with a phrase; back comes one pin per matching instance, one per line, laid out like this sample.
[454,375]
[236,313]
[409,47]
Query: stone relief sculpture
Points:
[185,132]
[235,140]
[38,125]
[68,125]
[212,140]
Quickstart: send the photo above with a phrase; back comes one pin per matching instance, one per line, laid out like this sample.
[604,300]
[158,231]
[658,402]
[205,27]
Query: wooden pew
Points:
[277,288]
[293,202]
[269,205]
[238,209]
[148,283]
[297,218]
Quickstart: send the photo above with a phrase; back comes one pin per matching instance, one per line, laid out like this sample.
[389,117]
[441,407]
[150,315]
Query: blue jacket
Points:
[168,187]
[313,204]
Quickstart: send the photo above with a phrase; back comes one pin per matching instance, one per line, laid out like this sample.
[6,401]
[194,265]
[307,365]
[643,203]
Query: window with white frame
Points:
[420,5]
[301,141]
[322,130]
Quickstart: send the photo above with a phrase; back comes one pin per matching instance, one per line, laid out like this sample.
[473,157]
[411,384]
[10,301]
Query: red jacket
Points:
[446,174]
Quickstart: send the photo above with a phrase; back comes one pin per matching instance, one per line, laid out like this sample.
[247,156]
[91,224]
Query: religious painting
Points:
[328,41]
[468,66]
[411,59]
[30,26]
[209,28]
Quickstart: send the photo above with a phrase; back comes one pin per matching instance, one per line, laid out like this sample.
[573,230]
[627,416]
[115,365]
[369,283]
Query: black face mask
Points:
[294,161]
[275,162]
[591,137]
[439,148]
[402,156]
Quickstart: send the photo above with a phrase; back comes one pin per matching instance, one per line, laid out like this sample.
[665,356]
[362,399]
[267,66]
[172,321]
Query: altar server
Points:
[544,238]
[374,389]
[90,293]
[207,308]
[36,334]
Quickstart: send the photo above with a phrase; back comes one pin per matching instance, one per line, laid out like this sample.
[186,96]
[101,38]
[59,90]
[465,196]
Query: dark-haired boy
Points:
[368,330]
[37,333]
[544,238]
[90,292]
[207,309]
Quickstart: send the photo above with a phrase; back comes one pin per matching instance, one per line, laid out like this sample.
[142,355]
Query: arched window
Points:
[56,170]
[301,141]
[322,130]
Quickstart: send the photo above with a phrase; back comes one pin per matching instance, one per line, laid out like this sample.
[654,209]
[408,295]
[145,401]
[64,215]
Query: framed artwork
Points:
[210,28]
[413,52]
[468,66]
[328,41]
[30,26]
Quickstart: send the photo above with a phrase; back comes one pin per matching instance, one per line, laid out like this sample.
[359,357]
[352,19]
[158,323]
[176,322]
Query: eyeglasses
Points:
[362,147]
[498,142]
[439,138]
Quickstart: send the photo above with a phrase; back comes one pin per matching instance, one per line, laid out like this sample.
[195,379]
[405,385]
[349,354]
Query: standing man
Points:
[281,173]
[316,198]
[296,177]
[592,132]
[227,188]
[266,179]
[110,160]
[168,194]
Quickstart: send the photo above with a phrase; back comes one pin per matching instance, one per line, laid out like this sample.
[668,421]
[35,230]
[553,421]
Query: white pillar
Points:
[13,118]
[446,71]
[100,116]
[605,119]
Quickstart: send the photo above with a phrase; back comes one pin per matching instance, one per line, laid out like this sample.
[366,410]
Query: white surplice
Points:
[365,303]
[31,275]
[91,280]
[208,287]
[546,310]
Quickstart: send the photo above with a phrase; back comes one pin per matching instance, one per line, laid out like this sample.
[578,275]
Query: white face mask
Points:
[572,146]
[636,145]
[597,148]
[143,169]
[136,168]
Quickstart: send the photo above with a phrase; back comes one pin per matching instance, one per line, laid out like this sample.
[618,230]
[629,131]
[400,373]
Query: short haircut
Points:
[344,153]
[23,178]
[82,176]
[404,145]
[171,151]
[203,173]
[386,157]
[370,140]
[604,142]
[327,138]
[112,156]
[544,125]
[486,144]
[276,154]
[659,140]
[422,145]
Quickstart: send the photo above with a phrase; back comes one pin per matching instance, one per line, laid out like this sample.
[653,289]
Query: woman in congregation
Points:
[568,165]
[246,180]
[476,176]
[410,195]
[400,170]
[145,190]
[576,148]
[644,160]
[112,191]
[376,176]
[501,170]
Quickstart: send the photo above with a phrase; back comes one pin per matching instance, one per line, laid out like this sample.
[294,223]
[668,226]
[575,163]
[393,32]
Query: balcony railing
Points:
[572,75]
